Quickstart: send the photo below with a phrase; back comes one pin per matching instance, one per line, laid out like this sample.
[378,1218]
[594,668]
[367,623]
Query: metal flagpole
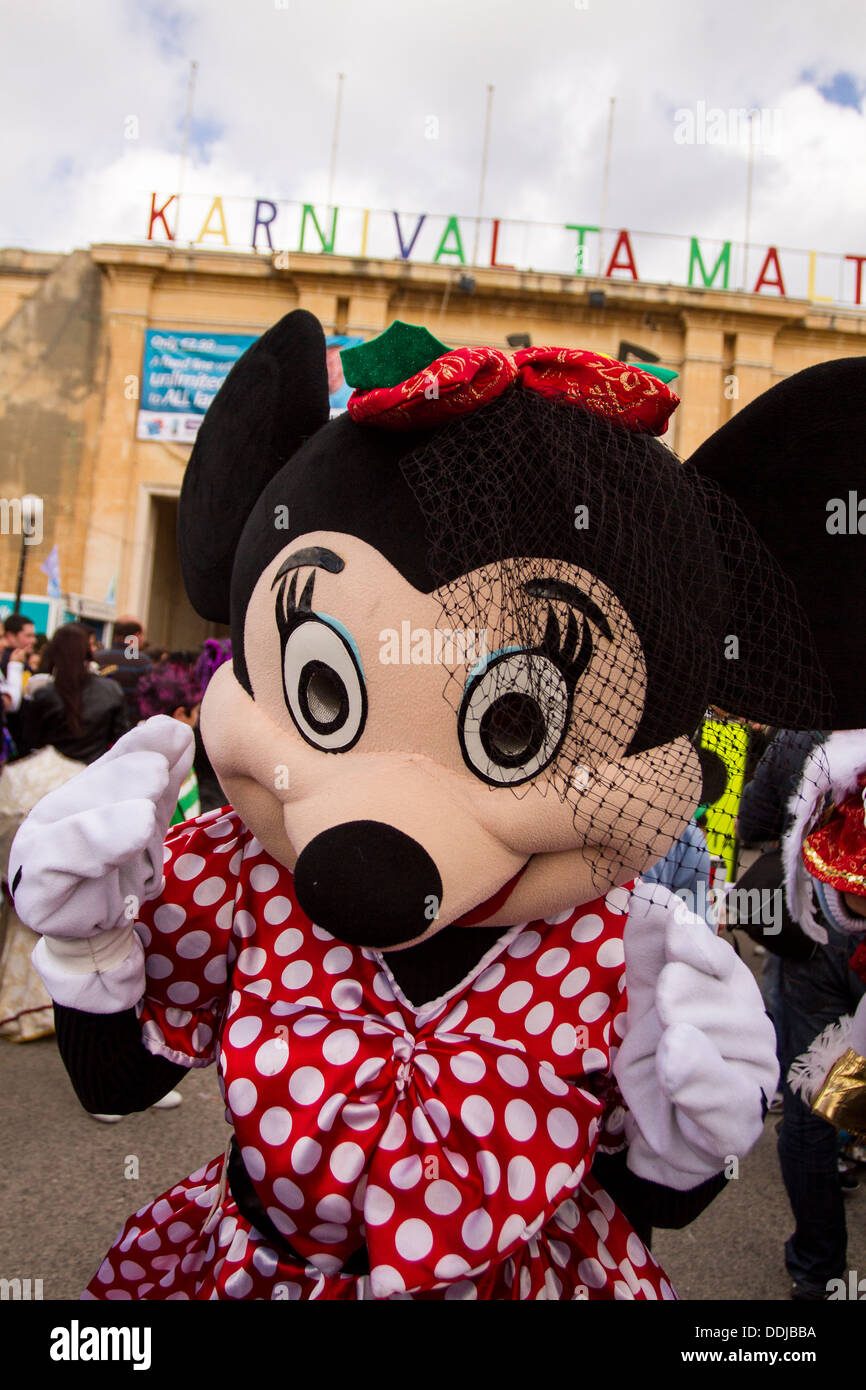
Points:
[483,174]
[187,121]
[340,77]
[604,184]
[749,197]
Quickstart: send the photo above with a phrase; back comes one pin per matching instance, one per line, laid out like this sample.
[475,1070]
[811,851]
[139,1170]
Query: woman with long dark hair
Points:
[78,713]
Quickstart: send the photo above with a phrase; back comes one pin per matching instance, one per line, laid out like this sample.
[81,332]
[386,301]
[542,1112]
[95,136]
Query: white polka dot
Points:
[421,1127]
[406,1172]
[521,1178]
[130,1270]
[158,967]
[515,996]
[468,1067]
[539,1018]
[524,944]
[395,1135]
[306,1085]
[485,1027]
[284,1224]
[333,1208]
[636,1250]
[193,945]
[347,1162]
[564,1040]
[265,1260]
[551,962]
[490,978]
[209,891]
[552,1082]
[330,1111]
[242,1096]
[225,916]
[558,1175]
[562,1128]
[308,1025]
[520,1120]
[215,970]
[184,992]
[512,1069]
[169,917]
[442,1197]
[338,959]
[251,960]
[477,1230]
[512,1230]
[414,1239]
[346,995]
[244,1031]
[288,942]
[575,982]
[305,1155]
[477,1115]
[189,866]
[451,1267]
[360,1117]
[590,1272]
[491,1173]
[587,928]
[611,953]
[454,1018]
[297,975]
[439,1116]
[276,910]
[263,878]
[275,1125]
[288,1194]
[272,1056]
[458,1163]
[261,988]
[617,900]
[385,1280]
[592,1059]
[244,923]
[593,1006]
[340,1047]
[253,1162]
[378,1206]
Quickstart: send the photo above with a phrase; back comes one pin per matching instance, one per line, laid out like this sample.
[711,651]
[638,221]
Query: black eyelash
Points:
[561,649]
[288,605]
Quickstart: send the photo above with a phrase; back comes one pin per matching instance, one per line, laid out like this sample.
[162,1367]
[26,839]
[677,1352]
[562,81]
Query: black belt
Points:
[249,1205]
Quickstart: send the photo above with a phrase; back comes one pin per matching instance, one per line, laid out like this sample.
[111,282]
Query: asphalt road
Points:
[65,1190]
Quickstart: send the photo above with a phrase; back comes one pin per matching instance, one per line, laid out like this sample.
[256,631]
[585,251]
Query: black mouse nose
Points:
[368,884]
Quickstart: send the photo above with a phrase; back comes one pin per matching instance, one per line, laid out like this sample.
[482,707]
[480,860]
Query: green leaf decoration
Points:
[398,353]
[664,374]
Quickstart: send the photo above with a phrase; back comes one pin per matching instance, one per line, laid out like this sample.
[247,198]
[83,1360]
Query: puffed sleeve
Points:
[186,933]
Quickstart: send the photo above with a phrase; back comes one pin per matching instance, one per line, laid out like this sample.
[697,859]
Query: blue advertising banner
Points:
[182,373]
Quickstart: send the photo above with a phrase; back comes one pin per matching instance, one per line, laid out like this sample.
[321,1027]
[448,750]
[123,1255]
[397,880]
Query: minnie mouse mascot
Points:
[476,622]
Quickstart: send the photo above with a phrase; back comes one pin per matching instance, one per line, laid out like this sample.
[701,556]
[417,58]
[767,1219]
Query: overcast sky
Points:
[71,76]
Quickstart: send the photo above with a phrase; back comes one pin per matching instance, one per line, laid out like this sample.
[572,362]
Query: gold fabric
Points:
[841,1098]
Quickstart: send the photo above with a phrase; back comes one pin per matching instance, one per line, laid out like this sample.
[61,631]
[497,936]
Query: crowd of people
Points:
[70,694]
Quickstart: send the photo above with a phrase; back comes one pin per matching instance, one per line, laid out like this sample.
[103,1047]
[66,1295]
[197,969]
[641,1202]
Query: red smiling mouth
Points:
[477,915]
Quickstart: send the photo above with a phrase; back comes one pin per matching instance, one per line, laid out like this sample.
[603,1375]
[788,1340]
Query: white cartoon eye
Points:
[513,718]
[323,685]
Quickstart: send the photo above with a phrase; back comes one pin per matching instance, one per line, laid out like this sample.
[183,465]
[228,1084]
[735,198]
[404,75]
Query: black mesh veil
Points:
[540,517]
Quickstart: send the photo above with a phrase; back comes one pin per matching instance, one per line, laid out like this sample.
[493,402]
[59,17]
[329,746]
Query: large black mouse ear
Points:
[792,460]
[274,398]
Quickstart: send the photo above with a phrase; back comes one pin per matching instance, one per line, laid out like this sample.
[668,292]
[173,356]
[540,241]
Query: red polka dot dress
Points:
[454,1140]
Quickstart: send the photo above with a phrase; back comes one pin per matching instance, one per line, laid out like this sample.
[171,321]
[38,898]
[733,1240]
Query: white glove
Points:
[89,854]
[699,1049]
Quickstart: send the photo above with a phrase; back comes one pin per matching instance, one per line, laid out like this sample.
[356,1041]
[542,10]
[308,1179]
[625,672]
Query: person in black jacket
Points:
[78,713]
[125,662]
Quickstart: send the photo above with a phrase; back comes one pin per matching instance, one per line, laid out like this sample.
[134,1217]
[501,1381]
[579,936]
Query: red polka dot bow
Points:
[469,1147]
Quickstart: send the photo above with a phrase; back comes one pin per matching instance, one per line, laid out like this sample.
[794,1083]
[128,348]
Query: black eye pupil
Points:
[323,697]
[512,729]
